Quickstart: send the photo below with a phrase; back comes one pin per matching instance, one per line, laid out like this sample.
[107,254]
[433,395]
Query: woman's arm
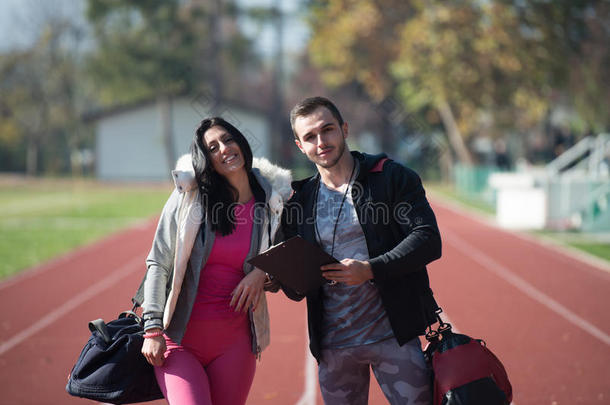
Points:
[160,262]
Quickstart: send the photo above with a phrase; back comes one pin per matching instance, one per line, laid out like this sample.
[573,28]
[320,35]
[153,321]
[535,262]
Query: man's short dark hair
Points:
[311,104]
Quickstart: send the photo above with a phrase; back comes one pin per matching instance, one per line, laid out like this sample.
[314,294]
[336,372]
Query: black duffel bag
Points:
[111,367]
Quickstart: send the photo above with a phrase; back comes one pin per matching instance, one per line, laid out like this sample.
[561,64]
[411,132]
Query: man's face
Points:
[320,137]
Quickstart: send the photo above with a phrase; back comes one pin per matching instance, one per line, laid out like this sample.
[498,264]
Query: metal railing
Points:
[588,155]
[578,185]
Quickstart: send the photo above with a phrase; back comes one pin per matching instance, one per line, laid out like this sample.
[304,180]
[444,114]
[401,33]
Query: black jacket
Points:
[401,235]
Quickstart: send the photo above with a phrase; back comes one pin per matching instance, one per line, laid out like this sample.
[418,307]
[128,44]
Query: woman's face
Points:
[225,153]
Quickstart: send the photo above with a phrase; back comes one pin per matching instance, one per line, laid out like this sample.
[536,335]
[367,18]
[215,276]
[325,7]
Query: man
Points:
[372,215]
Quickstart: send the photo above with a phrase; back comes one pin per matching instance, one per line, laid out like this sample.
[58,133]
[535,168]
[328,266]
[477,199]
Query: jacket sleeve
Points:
[410,210]
[271,284]
[288,222]
[160,263]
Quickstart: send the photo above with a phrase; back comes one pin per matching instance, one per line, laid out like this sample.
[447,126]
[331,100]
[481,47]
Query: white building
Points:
[571,193]
[129,141]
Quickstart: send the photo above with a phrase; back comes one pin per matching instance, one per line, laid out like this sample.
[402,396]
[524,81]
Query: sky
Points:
[19,20]
[295,29]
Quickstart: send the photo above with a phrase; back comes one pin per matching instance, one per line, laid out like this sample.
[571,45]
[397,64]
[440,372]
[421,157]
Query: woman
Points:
[205,311]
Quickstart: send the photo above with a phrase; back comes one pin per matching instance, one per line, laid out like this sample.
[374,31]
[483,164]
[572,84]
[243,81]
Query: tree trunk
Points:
[215,55]
[446,163]
[165,110]
[453,133]
[277,100]
[31,158]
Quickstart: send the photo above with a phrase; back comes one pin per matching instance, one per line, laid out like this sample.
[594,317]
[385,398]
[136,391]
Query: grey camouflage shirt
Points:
[353,315]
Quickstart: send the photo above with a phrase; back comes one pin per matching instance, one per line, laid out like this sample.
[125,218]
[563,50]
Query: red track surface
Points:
[533,305]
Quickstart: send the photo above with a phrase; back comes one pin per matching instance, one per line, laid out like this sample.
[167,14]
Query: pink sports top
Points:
[224,268]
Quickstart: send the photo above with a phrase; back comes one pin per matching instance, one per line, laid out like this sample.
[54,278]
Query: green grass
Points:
[595,244]
[601,250]
[42,219]
[447,191]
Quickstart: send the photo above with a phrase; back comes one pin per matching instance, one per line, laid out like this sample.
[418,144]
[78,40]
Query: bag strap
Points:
[433,335]
[139,297]
[130,314]
[99,326]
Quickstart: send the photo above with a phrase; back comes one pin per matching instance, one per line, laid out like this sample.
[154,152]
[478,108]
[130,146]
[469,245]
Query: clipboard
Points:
[295,263]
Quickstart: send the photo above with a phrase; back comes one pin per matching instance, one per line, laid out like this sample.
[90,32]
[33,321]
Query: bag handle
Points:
[131,314]
[433,335]
[99,326]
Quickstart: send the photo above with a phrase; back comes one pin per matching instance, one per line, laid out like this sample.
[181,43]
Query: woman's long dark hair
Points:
[217,194]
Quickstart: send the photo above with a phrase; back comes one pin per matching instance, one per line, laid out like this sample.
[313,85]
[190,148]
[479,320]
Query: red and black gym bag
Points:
[465,371]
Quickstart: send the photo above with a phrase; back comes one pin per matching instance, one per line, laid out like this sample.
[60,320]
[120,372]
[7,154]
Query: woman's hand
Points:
[154,348]
[248,291]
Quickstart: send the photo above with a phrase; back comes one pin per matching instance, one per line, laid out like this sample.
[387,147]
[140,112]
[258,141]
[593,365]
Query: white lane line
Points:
[113,278]
[57,262]
[525,287]
[311,389]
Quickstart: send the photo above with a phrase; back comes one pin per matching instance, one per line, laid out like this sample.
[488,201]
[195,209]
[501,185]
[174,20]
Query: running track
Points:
[544,313]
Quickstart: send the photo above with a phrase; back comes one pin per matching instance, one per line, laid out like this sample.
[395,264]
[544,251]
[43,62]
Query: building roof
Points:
[97,114]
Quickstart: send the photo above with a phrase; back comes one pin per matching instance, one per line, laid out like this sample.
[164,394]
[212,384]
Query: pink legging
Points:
[214,365]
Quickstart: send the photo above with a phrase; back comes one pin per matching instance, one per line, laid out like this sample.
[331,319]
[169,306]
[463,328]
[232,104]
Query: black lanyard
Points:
[315,212]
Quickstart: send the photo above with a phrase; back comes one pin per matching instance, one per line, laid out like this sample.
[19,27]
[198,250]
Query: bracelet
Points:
[152,315]
[152,335]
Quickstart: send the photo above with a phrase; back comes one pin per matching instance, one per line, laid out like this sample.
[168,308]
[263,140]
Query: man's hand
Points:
[348,271]
[248,291]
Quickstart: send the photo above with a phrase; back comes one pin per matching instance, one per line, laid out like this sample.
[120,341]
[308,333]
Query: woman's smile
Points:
[230,159]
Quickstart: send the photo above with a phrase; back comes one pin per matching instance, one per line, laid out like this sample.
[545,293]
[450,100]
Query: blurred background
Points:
[500,105]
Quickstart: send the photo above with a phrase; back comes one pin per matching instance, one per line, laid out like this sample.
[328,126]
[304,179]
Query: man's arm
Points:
[412,212]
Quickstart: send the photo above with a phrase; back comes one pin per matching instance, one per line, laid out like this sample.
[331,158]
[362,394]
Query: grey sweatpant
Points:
[401,372]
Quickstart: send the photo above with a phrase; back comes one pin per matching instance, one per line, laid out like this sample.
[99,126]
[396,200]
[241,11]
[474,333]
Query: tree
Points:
[470,61]
[39,98]
[352,43]
[145,50]
[576,37]
[164,48]
[467,60]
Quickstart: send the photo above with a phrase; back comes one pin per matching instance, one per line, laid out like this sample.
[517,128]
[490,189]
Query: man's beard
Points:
[341,149]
